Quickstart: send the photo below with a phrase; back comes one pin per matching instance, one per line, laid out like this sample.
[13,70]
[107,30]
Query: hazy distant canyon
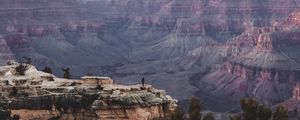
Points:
[209,48]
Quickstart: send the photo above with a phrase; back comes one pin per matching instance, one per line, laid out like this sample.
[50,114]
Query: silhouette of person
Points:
[143,82]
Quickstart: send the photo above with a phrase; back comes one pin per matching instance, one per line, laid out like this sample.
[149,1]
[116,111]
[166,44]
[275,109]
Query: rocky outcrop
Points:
[38,95]
[293,21]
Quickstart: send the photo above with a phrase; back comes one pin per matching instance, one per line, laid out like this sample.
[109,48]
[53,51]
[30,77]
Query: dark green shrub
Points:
[178,114]
[264,113]
[47,70]
[195,108]
[21,69]
[250,108]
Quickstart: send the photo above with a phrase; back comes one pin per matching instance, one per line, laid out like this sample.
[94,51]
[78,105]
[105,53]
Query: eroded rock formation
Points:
[266,66]
[39,95]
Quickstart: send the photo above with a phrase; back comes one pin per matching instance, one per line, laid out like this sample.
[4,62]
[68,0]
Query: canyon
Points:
[265,66]
[207,48]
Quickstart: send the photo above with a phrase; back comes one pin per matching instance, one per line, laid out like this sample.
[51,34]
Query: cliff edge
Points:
[39,95]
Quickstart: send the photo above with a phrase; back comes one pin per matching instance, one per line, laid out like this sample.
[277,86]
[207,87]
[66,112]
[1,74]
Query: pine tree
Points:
[178,114]
[195,109]
[281,113]
[209,116]
[250,108]
[47,70]
[264,113]
[67,73]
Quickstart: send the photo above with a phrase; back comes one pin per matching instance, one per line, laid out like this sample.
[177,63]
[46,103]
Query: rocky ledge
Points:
[39,95]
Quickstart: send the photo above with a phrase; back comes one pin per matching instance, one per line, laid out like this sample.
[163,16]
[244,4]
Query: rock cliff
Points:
[39,95]
[266,66]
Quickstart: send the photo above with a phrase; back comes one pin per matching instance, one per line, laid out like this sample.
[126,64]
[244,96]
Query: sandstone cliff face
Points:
[138,113]
[266,66]
[292,21]
[38,95]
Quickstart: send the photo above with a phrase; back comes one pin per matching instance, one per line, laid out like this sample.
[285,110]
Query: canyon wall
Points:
[266,66]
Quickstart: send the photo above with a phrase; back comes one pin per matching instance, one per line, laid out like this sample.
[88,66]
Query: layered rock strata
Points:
[266,67]
[39,95]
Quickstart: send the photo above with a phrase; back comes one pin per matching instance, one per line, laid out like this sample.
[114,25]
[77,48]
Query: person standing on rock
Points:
[143,82]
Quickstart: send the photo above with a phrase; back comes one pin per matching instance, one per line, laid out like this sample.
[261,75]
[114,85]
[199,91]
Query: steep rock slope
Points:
[266,68]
